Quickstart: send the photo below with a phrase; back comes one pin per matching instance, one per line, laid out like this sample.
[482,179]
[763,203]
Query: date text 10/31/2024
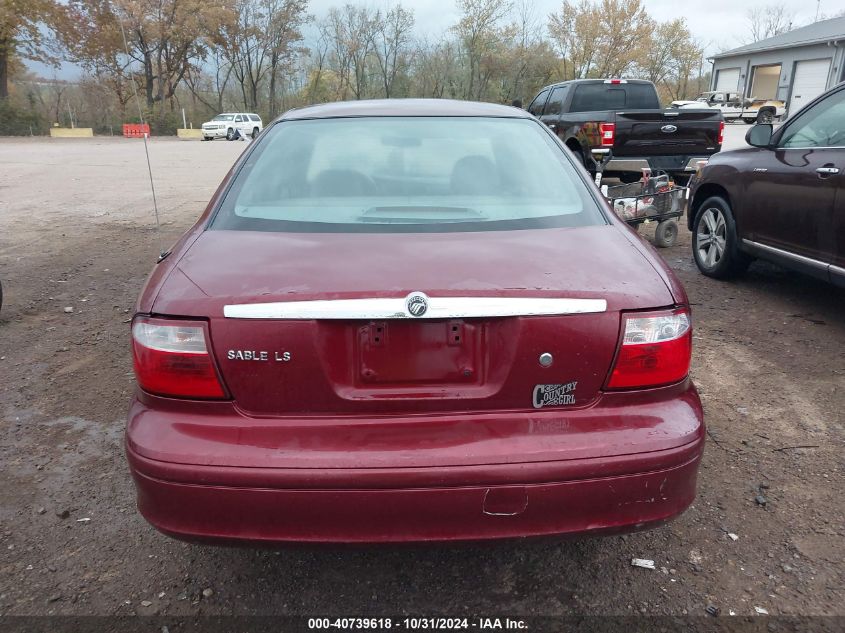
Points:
[418,624]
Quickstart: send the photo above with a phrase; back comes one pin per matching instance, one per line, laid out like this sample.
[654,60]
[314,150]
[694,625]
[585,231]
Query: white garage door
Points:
[727,79]
[808,83]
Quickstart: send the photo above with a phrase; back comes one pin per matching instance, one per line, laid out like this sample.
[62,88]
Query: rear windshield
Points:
[406,174]
[602,96]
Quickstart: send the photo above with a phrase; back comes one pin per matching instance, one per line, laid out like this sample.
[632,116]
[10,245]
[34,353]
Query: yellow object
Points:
[71,132]
[187,133]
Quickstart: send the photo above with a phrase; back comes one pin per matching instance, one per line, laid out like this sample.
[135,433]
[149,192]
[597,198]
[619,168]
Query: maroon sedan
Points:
[411,321]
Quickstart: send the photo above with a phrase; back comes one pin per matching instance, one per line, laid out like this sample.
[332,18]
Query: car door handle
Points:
[829,171]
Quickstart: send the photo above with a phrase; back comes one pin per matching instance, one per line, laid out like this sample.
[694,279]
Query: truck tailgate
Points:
[667,132]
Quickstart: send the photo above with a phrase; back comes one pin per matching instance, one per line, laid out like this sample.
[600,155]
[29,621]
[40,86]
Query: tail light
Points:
[655,350]
[172,358]
[608,134]
[721,132]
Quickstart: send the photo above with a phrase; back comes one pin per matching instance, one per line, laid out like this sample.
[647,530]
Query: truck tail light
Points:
[608,134]
[721,132]
[655,350]
[172,358]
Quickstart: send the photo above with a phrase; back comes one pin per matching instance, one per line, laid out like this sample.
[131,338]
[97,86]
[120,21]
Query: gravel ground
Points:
[76,231]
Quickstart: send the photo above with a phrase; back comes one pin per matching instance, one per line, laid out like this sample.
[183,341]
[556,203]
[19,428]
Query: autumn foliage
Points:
[206,56]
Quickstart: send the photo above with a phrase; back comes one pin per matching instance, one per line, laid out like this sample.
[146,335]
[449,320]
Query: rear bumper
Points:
[272,515]
[284,496]
[672,164]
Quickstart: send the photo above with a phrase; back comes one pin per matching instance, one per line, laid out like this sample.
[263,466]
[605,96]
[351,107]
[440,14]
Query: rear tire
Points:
[666,234]
[715,244]
[589,164]
[749,121]
[254,132]
[765,116]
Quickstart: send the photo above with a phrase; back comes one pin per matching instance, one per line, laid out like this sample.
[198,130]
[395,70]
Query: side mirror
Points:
[760,135]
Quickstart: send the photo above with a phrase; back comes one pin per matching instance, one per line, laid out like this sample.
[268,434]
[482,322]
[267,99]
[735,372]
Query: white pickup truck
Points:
[734,107]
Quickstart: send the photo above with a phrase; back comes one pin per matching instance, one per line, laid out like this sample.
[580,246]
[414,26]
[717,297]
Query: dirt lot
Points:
[76,232]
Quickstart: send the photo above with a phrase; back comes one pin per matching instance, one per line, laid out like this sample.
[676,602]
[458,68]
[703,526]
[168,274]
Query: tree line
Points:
[207,56]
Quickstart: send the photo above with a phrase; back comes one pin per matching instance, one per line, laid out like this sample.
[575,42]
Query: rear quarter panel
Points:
[583,128]
[725,176]
[165,266]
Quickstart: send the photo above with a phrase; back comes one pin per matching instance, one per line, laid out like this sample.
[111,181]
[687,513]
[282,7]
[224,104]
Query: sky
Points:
[718,24]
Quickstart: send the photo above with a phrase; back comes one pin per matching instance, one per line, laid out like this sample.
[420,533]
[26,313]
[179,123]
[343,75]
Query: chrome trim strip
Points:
[809,261]
[806,148]
[395,308]
[837,270]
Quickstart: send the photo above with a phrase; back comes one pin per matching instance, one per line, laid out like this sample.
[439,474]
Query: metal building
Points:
[794,67]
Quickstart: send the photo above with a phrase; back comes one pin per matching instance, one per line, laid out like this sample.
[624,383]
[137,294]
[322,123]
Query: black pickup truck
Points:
[625,117]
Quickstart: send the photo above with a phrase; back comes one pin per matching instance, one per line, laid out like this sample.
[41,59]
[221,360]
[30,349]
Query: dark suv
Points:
[783,199]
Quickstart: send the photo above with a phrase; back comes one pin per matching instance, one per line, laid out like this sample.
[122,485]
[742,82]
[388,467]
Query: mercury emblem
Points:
[417,304]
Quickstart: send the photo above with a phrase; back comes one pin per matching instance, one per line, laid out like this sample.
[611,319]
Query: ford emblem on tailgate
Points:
[417,304]
[669,128]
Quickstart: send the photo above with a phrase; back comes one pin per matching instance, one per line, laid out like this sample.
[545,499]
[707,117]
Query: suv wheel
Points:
[254,132]
[714,240]
[230,134]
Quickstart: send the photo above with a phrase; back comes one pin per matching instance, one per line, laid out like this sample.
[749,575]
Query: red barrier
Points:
[136,130]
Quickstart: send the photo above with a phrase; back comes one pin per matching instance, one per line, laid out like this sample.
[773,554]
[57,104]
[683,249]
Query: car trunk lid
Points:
[291,345]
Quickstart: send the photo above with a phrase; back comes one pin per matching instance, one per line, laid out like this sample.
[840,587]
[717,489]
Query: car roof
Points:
[597,81]
[405,107]
[592,81]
